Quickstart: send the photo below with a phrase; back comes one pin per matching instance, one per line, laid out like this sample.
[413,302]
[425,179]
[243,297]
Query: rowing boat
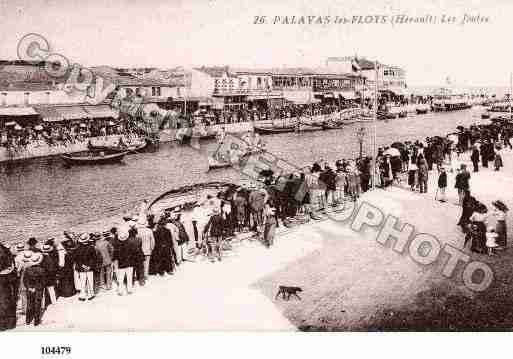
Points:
[131,149]
[270,130]
[92,158]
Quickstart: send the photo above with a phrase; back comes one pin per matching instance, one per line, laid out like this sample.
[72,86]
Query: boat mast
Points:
[374,121]
[510,92]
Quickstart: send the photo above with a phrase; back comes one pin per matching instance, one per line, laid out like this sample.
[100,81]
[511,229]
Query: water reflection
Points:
[41,197]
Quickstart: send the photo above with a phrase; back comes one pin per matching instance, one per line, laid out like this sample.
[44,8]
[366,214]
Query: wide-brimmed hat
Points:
[68,244]
[500,206]
[32,241]
[36,258]
[95,236]
[27,255]
[84,238]
[20,247]
[46,248]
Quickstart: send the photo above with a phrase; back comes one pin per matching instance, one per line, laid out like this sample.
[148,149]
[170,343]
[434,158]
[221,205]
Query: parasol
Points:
[397,145]
[393,152]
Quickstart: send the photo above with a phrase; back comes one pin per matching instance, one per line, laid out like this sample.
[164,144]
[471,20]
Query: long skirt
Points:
[501,234]
[8,288]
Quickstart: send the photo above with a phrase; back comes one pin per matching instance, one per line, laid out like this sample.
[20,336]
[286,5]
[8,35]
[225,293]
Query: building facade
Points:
[391,79]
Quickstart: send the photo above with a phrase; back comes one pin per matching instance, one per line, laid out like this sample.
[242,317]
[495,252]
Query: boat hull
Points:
[274,130]
[115,149]
[76,159]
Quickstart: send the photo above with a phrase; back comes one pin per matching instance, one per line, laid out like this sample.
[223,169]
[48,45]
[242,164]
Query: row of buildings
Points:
[25,88]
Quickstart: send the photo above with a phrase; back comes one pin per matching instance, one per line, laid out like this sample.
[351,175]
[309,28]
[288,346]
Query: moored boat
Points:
[270,130]
[130,148]
[92,158]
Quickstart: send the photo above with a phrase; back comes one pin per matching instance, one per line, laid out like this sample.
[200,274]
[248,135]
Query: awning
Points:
[300,97]
[304,101]
[348,95]
[398,91]
[263,97]
[72,112]
[101,111]
[49,114]
[17,111]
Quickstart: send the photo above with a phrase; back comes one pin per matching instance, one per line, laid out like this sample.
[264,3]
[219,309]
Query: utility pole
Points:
[374,121]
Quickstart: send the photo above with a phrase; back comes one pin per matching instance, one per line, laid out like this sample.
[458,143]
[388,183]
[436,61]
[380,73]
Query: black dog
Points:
[286,292]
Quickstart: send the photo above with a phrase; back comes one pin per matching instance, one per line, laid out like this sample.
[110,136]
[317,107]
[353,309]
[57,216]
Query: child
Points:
[442,184]
[490,241]
[497,160]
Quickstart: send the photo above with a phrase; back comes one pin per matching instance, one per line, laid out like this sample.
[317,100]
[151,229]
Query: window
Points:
[155,91]
[26,99]
[4,98]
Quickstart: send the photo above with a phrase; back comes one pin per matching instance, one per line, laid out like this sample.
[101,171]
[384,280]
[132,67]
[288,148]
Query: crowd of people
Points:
[17,139]
[34,275]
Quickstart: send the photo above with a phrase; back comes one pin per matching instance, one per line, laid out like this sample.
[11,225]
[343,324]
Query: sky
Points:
[169,33]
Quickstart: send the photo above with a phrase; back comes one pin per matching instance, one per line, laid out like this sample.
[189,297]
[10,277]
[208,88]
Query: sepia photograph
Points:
[255,166]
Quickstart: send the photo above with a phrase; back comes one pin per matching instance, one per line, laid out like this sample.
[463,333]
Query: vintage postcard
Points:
[262,166]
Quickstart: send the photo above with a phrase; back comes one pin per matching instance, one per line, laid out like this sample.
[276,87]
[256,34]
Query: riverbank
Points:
[349,281]
[42,149]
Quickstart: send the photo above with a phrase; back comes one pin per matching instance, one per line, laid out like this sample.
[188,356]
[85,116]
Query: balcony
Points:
[246,92]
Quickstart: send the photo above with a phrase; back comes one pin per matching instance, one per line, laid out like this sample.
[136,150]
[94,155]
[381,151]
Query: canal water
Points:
[42,198]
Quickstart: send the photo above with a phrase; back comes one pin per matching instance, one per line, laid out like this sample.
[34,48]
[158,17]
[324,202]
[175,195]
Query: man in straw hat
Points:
[147,244]
[33,280]
[85,262]
[105,251]
[124,254]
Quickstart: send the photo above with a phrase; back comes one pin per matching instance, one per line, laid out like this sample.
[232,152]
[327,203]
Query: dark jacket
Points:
[475,155]
[34,276]
[50,267]
[183,237]
[85,258]
[442,180]
[125,253]
[462,179]
[215,225]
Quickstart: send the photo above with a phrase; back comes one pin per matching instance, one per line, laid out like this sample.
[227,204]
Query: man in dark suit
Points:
[34,281]
[474,157]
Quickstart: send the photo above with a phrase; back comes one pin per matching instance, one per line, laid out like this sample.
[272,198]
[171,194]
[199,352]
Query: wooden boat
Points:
[270,130]
[384,115]
[332,126]
[92,158]
[421,111]
[110,149]
[214,163]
